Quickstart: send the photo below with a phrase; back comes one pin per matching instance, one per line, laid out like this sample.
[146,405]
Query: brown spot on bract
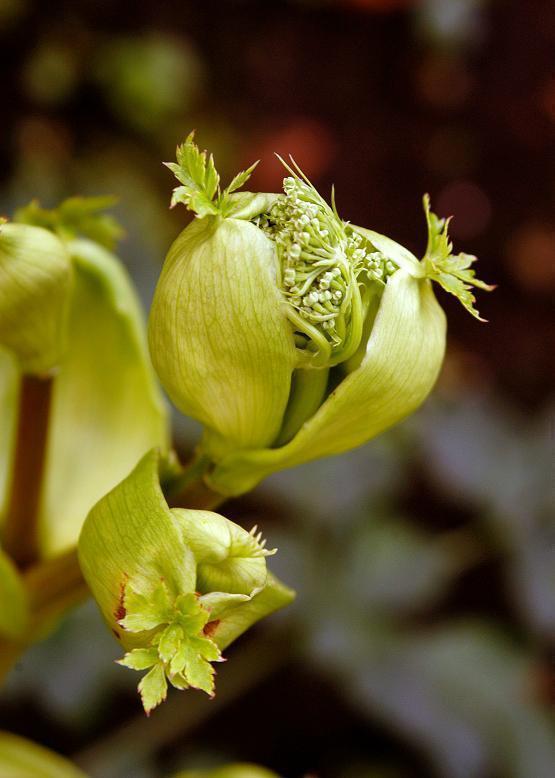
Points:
[211,628]
[120,611]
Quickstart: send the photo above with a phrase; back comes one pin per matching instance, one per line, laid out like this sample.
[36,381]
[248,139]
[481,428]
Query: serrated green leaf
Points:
[200,184]
[170,641]
[191,663]
[153,688]
[198,177]
[240,179]
[206,648]
[179,681]
[145,611]
[139,658]
[211,178]
[451,271]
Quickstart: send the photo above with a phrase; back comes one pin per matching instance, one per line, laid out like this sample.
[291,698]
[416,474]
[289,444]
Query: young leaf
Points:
[240,179]
[139,658]
[76,217]
[198,177]
[153,688]
[450,271]
[200,183]
[146,611]
[170,642]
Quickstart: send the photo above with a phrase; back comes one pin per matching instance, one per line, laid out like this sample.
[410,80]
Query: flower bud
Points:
[35,285]
[218,339]
[368,333]
[175,586]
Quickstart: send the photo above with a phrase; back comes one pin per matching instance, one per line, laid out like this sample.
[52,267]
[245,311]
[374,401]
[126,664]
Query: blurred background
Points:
[421,642]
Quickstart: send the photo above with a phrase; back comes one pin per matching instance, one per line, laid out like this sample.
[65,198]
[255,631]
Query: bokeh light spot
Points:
[470,207]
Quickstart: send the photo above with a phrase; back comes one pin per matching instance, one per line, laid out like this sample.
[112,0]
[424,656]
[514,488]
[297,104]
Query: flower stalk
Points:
[20,532]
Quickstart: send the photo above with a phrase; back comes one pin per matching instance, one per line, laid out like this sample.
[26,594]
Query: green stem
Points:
[20,532]
[307,391]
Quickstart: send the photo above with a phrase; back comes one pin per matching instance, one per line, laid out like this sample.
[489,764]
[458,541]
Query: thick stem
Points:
[197,494]
[20,532]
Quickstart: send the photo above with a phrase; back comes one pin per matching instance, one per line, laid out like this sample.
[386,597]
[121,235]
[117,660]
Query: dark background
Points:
[421,640]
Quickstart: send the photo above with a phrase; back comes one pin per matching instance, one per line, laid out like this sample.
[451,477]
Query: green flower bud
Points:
[368,333]
[218,339]
[369,353]
[229,559]
[35,285]
[175,586]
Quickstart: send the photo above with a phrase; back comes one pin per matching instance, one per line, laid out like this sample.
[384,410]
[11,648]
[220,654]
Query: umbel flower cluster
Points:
[288,332]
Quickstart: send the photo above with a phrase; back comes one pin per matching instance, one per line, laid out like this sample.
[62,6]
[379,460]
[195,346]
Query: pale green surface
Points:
[107,410]
[403,357]
[130,535]
[13,599]
[20,758]
[218,339]
[35,285]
